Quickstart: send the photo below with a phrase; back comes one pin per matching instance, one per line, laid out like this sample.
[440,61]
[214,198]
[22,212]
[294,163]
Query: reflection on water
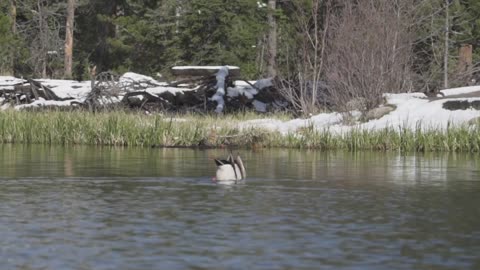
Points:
[45,161]
[128,208]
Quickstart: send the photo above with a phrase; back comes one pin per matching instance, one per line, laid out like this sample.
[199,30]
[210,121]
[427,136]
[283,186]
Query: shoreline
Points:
[124,129]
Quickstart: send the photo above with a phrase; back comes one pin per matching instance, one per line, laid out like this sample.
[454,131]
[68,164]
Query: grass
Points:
[135,129]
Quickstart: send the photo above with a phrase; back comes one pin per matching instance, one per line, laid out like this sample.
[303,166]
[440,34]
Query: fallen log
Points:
[132,100]
[203,71]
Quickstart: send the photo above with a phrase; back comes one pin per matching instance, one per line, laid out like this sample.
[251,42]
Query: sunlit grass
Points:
[120,128]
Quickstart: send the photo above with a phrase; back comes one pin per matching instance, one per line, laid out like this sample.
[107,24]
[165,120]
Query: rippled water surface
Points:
[111,208]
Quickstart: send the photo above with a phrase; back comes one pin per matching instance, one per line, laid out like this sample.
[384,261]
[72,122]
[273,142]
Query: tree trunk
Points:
[69,38]
[272,39]
[13,15]
[43,39]
[465,62]
[445,55]
[13,18]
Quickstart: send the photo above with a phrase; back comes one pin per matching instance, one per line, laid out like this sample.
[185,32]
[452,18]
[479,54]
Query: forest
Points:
[321,53]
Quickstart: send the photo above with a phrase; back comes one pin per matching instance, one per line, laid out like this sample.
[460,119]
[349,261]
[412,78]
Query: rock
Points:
[351,118]
[357,104]
[474,121]
[379,112]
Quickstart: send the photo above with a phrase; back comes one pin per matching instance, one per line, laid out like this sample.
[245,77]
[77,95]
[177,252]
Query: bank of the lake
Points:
[121,128]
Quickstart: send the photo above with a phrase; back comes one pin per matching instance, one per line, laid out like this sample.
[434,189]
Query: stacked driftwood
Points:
[193,100]
[107,91]
[204,85]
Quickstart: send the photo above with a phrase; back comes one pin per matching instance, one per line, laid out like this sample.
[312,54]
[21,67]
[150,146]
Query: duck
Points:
[230,169]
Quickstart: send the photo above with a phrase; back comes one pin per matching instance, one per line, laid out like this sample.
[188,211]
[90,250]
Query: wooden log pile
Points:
[200,99]
[195,100]
[197,89]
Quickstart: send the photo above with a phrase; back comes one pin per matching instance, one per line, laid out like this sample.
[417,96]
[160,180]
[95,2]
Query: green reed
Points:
[120,128]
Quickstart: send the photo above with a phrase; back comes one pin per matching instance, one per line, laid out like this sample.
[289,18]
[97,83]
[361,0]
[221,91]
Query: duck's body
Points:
[230,169]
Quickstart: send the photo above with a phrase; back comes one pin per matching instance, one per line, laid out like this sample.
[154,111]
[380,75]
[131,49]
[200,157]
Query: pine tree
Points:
[432,44]
[218,32]
[130,35]
[95,29]
[466,33]
[7,39]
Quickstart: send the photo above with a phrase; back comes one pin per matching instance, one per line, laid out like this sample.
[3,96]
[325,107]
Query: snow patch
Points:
[461,90]
[264,83]
[138,78]
[42,102]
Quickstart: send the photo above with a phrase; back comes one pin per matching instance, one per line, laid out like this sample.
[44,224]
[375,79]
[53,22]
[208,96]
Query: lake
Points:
[143,208]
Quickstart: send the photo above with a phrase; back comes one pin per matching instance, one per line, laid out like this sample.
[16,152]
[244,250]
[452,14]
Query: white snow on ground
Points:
[7,82]
[461,90]
[153,86]
[42,102]
[248,90]
[412,109]
[320,121]
[263,83]
[66,89]
[242,89]
[161,89]
[139,78]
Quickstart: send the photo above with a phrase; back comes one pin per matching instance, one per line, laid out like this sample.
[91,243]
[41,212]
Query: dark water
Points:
[110,208]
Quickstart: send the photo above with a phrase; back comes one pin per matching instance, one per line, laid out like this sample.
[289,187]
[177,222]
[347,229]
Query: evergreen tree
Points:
[430,48]
[150,36]
[466,25]
[145,41]
[219,32]
[130,35]
[94,29]
[7,40]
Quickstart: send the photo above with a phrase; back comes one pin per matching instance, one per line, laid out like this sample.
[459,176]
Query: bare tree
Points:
[13,17]
[304,87]
[272,39]
[69,38]
[445,53]
[369,52]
